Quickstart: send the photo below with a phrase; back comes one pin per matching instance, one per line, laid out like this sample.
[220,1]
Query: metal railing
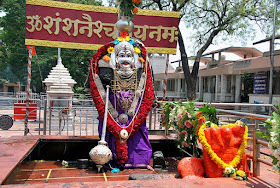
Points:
[254,139]
[255,124]
[16,110]
[80,118]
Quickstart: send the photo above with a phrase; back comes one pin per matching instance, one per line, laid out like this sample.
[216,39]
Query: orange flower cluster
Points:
[201,120]
[137,2]
[199,114]
[140,59]
[135,10]
[106,58]
[123,34]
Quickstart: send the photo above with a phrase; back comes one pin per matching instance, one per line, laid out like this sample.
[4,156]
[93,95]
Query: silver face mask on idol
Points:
[125,63]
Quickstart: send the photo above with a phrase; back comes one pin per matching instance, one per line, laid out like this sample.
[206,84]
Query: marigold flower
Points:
[188,124]
[193,122]
[110,49]
[201,120]
[137,50]
[140,59]
[123,34]
[197,130]
[106,58]
[120,39]
[199,114]
[136,1]
[127,38]
[240,173]
[135,10]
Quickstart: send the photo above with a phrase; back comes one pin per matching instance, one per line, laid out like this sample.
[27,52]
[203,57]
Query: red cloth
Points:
[33,50]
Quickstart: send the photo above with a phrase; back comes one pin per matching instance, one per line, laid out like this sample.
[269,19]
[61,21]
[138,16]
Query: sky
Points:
[263,47]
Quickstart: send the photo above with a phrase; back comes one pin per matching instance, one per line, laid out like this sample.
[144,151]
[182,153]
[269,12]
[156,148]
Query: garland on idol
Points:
[207,147]
[144,106]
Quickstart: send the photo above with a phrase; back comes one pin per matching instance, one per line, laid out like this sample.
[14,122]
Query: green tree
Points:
[13,49]
[14,54]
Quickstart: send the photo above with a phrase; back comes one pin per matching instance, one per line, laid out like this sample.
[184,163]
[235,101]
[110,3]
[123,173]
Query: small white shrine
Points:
[59,86]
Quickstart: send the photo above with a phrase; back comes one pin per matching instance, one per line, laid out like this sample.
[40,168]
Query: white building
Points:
[220,80]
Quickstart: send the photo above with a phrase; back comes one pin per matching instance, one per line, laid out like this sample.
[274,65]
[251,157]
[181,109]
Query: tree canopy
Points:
[14,54]
[211,19]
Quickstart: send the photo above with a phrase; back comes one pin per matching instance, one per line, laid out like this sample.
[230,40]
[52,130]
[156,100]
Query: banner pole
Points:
[165,85]
[26,129]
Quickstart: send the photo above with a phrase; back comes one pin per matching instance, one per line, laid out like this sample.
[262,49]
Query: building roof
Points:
[240,51]
[267,39]
[202,59]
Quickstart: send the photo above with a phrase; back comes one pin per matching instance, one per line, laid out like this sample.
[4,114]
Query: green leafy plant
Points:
[273,136]
[210,113]
[186,120]
[129,7]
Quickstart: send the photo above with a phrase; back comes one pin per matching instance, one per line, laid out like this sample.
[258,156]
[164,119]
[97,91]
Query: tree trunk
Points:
[190,78]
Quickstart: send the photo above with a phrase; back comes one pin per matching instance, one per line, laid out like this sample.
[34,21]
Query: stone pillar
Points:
[175,87]
[223,87]
[232,86]
[217,87]
[179,87]
[200,90]
[237,88]
[209,84]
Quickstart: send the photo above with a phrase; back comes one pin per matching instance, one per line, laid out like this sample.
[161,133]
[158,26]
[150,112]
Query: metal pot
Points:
[124,24]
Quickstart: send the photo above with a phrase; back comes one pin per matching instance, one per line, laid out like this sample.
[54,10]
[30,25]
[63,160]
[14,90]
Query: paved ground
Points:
[13,147]
[13,150]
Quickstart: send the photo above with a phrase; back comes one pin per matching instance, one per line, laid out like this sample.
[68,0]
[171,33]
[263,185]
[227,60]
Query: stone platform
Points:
[14,149]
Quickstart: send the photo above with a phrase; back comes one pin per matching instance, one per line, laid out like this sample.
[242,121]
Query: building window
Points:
[276,81]
[219,84]
[213,85]
[157,85]
[10,89]
[205,85]
[170,85]
[228,84]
